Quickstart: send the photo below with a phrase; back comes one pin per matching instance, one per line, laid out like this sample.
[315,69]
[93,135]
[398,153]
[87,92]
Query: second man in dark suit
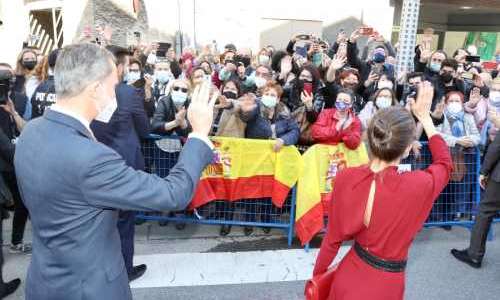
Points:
[127,125]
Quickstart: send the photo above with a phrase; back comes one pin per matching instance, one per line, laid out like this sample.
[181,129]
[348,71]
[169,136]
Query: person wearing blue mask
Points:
[268,118]
[460,133]
[429,63]
[339,124]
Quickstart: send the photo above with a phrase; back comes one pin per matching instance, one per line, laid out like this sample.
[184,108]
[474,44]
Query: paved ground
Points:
[197,264]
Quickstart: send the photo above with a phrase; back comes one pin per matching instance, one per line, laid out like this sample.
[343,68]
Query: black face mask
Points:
[446,77]
[29,64]
[352,86]
[230,95]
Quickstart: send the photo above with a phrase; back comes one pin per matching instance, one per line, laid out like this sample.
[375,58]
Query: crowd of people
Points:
[311,92]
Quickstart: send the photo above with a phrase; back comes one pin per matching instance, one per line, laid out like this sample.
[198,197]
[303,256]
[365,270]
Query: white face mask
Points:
[106,111]
[178,97]
[385,84]
[383,102]
[269,101]
[260,82]
[495,96]
[263,59]
[163,76]
[454,108]
[132,77]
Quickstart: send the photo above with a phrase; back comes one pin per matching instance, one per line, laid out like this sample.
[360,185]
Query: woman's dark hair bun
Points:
[390,132]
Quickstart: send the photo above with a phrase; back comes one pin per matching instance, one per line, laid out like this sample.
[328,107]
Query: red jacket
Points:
[323,130]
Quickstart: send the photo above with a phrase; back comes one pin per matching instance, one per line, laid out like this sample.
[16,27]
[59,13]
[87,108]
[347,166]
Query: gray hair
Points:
[78,66]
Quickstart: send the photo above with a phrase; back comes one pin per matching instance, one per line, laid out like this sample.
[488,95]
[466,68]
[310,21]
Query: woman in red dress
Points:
[382,209]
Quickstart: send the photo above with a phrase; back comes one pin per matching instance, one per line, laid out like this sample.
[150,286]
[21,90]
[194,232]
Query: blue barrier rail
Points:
[458,203]
[161,154]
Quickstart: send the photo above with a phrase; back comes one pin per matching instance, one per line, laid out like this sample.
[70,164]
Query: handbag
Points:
[299,115]
[318,288]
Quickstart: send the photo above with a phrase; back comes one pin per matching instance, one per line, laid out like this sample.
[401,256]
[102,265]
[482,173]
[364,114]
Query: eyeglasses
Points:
[176,88]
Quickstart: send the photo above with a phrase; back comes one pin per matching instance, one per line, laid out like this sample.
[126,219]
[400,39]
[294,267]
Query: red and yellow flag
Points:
[248,169]
[315,185]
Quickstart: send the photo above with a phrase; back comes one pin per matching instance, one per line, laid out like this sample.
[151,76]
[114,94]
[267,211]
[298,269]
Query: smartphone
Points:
[367,31]
[473,58]
[305,37]
[308,88]
[302,51]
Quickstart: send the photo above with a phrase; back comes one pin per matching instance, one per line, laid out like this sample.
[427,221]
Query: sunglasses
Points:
[176,88]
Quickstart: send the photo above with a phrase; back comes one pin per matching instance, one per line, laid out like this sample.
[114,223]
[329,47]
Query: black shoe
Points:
[266,230]
[463,256]
[180,226]
[225,230]
[163,223]
[446,227]
[137,272]
[248,230]
[10,287]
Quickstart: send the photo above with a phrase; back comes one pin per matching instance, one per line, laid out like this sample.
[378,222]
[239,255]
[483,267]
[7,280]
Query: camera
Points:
[5,85]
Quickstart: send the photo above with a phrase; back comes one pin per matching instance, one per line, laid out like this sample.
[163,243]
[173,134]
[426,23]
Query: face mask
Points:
[263,59]
[435,67]
[207,78]
[132,77]
[383,102]
[378,58]
[230,95]
[162,76]
[495,98]
[454,108]
[29,64]
[317,59]
[269,101]
[342,106]
[179,97]
[151,59]
[446,77]
[106,111]
[260,82]
[385,85]
[352,86]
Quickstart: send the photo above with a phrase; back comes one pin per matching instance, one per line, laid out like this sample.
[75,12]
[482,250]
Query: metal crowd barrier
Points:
[161,154]
[458,203]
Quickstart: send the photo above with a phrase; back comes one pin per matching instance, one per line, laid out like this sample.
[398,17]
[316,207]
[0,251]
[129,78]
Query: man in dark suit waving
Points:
[74,185]
[128,123]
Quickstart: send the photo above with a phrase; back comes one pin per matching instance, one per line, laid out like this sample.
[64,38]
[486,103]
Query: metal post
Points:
[408,35]
[54,28]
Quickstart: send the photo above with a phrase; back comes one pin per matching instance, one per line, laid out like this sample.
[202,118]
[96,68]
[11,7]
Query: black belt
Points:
[379,263]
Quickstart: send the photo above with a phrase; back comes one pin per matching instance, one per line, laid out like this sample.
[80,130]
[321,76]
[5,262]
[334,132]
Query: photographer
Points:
[11,123]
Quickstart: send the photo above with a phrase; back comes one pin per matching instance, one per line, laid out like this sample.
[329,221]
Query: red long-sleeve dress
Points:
[401,205]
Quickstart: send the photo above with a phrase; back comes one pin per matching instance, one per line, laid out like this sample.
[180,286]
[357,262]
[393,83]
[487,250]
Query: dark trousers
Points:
[126,223]
[488,208]
[1,250]
[20,213]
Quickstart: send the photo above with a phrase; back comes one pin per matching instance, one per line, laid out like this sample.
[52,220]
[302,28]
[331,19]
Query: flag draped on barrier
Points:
[315,185]
[248,169]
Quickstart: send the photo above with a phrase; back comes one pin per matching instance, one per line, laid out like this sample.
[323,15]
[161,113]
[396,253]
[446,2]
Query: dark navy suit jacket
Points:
[127,126]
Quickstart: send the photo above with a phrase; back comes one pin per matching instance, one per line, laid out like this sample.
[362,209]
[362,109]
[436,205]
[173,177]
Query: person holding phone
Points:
[304,98]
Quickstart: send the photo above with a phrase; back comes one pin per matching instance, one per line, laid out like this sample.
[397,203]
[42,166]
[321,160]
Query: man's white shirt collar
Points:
[74,115]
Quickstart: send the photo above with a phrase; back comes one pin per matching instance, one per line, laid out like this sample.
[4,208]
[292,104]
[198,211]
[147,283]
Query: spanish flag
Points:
[248,169]
[315,185]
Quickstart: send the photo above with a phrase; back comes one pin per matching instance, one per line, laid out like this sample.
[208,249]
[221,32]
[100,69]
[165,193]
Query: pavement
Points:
[196,263]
